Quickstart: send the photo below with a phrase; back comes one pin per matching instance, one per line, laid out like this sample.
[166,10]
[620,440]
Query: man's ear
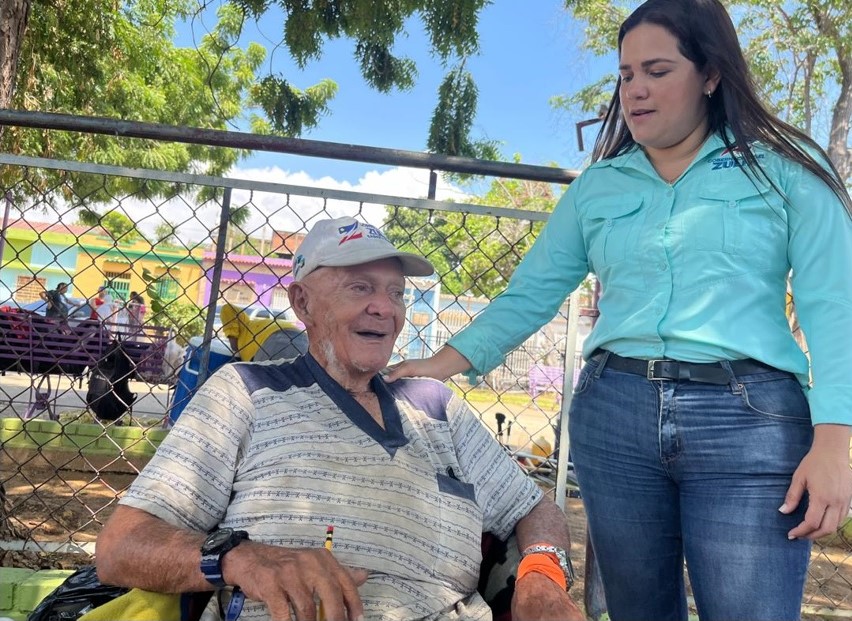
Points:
[298,295]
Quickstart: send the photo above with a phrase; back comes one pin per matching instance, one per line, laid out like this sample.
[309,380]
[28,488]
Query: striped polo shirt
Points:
[281,450]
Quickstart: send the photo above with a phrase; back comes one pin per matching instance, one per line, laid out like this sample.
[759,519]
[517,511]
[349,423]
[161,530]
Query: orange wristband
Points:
[542,563]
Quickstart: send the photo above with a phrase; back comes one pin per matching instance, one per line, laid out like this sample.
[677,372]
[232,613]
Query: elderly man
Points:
[267,455]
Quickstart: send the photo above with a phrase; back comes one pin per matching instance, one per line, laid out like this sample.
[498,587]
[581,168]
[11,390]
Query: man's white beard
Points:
[335,367]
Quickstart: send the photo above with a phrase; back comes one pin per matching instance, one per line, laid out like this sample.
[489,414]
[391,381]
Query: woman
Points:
[691,433]
[136,310]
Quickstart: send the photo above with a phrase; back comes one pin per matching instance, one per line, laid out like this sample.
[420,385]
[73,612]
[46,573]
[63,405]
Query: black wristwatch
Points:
[217,544]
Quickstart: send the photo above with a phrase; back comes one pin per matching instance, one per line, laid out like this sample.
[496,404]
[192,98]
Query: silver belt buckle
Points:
[650,373]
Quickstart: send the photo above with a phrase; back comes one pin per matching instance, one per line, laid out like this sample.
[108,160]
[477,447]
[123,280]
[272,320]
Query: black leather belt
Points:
[665,369]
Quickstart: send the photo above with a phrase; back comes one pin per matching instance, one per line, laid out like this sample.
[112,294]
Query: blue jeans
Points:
[674,470]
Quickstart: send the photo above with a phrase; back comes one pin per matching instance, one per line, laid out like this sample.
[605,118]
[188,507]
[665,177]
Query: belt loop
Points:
[736,387]
[602,363]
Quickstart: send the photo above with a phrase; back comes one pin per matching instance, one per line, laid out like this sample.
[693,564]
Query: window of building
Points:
[118,284]
[238,293]
[420,319]
[167,288]
[280,299]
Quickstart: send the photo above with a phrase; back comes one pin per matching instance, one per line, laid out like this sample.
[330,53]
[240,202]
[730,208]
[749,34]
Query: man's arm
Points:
[512,502]
[137,549]
[536,595]
[544,524]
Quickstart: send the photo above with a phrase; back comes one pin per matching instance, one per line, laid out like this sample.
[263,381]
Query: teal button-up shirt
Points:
[693,271]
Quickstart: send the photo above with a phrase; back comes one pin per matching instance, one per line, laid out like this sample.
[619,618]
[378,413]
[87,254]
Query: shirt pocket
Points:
[737,219]
[460,535]
[612,228]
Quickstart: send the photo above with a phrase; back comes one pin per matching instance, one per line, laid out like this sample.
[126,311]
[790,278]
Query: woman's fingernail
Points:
[783,508]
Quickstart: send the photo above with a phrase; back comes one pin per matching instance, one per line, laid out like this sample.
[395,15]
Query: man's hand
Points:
[284,577]
[537,597]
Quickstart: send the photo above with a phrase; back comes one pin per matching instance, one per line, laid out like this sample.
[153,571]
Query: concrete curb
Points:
[21,590]
[77,446]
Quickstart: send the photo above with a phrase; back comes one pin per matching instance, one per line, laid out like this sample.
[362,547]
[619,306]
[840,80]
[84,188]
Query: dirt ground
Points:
[50,506]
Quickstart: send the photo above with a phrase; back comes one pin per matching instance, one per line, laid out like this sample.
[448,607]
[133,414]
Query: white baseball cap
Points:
[341,242]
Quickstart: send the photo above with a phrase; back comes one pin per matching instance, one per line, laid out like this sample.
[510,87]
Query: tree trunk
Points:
[838,138]
[14,15]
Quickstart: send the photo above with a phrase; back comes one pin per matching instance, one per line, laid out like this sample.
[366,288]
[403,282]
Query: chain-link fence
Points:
[175,275]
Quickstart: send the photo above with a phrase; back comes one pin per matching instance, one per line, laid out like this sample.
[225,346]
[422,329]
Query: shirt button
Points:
[669,192]
[663,267]
[661,225]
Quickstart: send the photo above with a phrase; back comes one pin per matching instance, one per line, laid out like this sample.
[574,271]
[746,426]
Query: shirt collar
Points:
[636,159]
[392,436]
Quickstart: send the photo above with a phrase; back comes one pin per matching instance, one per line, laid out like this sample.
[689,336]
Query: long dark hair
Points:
[706,36]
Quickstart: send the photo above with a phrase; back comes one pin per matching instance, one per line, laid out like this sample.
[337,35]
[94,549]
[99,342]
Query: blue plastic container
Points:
[187,380]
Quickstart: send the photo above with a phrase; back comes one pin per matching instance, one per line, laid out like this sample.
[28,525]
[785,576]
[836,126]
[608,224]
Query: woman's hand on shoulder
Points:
[446,363]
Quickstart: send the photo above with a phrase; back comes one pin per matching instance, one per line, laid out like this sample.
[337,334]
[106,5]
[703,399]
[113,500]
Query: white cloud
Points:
[195,223]
[294,212]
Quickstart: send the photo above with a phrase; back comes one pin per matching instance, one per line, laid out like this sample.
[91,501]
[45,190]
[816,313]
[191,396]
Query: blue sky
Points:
[530,51]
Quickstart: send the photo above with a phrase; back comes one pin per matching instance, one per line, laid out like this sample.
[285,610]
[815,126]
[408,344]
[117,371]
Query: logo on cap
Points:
[374,233]
[349,233]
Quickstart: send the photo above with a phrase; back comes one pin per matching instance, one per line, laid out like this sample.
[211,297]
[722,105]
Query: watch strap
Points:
[558,556]
[211,560]
[211,567]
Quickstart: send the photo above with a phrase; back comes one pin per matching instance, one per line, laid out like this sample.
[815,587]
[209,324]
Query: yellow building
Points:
[120,266]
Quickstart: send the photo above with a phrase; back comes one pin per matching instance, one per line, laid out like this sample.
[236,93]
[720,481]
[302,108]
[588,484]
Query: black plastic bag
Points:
[109,395]
[80,593]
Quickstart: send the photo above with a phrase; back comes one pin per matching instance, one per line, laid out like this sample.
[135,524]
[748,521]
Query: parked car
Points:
[257,312]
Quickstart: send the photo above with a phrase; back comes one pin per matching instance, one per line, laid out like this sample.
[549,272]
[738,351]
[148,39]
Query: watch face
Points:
[216,539]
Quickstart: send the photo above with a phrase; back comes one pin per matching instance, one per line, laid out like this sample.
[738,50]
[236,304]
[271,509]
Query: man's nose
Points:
[382,305]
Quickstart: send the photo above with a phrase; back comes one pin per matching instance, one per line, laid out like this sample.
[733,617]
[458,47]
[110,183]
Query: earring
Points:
[709,94]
